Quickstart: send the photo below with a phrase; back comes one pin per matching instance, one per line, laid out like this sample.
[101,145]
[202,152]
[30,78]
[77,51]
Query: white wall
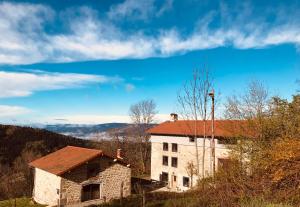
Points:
[186,153]
[45,187]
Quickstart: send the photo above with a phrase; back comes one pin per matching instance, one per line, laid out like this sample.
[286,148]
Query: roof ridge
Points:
[72,146]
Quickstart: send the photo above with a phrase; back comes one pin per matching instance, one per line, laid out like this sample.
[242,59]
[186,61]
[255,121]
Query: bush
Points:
[259,202]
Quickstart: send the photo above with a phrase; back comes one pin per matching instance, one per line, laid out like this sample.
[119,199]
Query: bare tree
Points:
[193,101]
[253,104]
[253,107]
[191,171]
[142,116]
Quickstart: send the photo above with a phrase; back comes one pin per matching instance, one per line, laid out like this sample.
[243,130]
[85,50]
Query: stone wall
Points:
[114,178]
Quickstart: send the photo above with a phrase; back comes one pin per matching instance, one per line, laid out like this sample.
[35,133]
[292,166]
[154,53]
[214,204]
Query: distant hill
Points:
[86,131]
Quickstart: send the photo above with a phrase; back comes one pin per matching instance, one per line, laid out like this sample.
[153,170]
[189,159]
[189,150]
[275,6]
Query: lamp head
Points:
[212,94]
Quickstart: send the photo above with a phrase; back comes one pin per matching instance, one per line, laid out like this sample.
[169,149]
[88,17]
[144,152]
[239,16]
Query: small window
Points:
[192,139]
[93,169]
[165,146]
[165,160]
[174,161]
[164,177]
[174,147]
[186,182]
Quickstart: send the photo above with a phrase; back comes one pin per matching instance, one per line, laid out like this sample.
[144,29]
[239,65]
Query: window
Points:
[165,160]
[165,146]
[164,177]
[90,192]
[186,181]
[174,147]
[174,161]
[92,169]
[192,139]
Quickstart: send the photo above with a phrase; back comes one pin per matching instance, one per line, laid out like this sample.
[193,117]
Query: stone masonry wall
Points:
[111,177]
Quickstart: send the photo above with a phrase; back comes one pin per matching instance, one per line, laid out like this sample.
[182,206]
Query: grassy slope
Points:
[181,200]
[20,202]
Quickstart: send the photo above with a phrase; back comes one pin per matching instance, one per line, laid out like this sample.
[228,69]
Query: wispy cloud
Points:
[18,84]
[7,111]
[129,87]
[24,38]
[139,9]
[133,9]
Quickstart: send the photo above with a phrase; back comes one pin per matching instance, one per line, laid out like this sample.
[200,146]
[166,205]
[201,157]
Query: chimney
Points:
[119,154]
[174,117]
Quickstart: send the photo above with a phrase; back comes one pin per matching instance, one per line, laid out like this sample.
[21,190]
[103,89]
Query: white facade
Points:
[46,187]
[186,152]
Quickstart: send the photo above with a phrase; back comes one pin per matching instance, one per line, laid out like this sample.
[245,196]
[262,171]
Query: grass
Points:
[180,200]
[20,202]
[259,202]
[158,199]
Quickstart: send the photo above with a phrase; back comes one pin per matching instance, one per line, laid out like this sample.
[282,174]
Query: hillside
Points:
[20,145]
[15,140]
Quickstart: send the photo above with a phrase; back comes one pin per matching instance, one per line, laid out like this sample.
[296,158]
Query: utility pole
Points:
[212,95]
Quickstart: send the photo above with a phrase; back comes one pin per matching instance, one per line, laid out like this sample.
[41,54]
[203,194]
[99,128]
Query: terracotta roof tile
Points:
[65,159]
[223,128]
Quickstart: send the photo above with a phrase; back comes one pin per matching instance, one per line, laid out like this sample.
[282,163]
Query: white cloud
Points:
[168,5]
[12,111]
[140,9]
[129,87]
[17,84]
[22,35]
[25,40]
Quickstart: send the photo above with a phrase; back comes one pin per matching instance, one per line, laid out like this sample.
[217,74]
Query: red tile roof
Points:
[223,128]
[65,159]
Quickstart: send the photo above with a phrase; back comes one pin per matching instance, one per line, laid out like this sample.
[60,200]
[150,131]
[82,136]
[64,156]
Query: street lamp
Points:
[212,95]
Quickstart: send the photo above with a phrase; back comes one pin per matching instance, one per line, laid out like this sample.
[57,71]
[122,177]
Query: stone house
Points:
[173,150]
[75,176]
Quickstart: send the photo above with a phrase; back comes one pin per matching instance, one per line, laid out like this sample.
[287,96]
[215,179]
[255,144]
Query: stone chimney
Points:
[174,117]
[119,154]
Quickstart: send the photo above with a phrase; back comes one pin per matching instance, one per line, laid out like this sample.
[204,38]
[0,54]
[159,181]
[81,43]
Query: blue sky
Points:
[88,61]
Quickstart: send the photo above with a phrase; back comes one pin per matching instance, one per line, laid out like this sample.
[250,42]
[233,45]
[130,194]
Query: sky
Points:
[88,61]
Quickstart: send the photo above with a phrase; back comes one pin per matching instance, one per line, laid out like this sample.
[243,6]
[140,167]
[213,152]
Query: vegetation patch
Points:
[19,202]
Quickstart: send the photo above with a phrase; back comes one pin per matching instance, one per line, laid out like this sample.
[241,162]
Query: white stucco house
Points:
[76,176]
[173,149]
